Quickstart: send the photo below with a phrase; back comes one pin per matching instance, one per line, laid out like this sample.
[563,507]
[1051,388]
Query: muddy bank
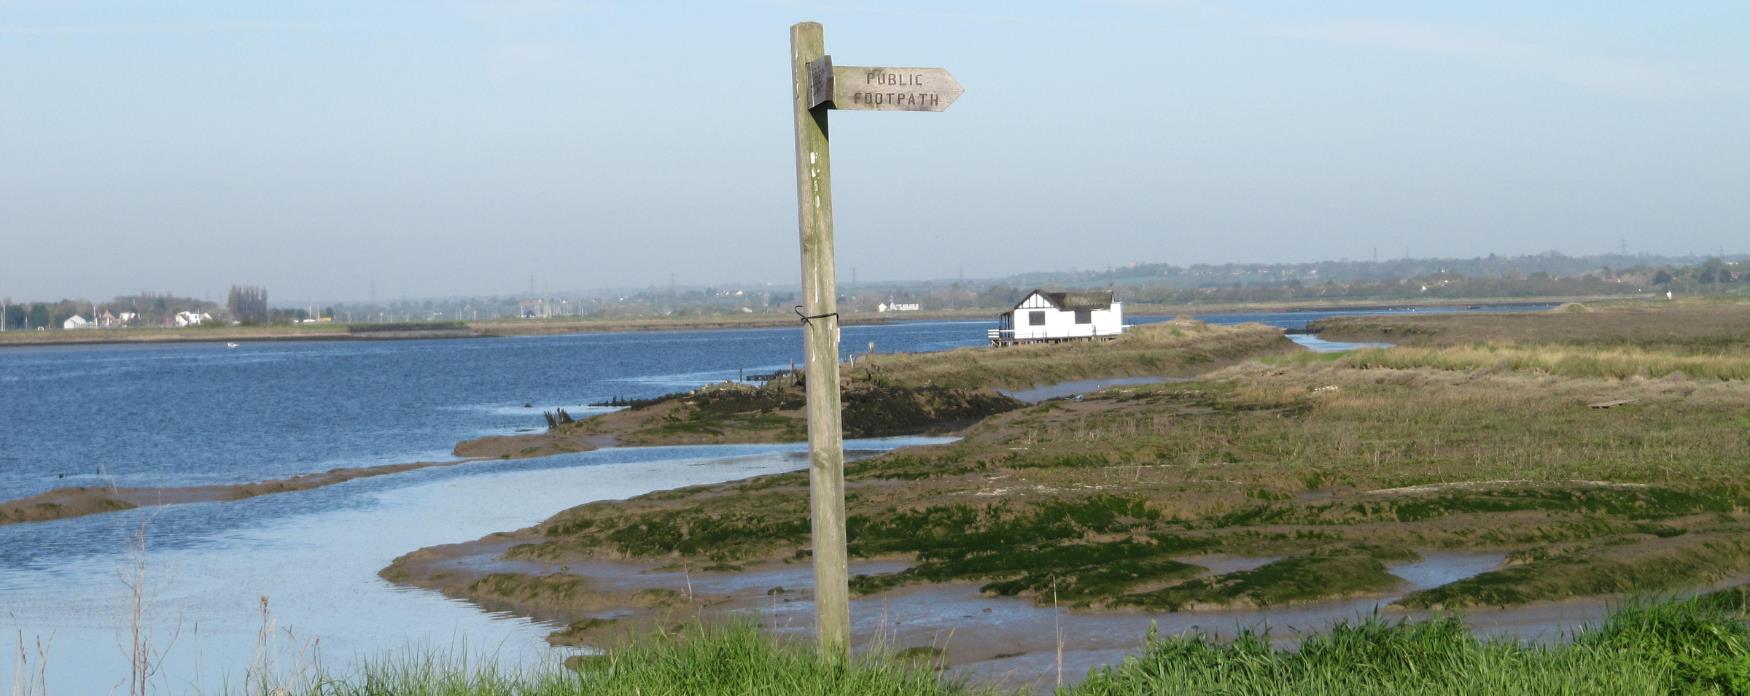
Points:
[526,445]
[732,413]
[904,394]
[78,501]
[1007,641]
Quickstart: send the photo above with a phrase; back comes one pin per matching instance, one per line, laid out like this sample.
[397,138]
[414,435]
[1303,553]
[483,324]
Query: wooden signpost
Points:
[817,87]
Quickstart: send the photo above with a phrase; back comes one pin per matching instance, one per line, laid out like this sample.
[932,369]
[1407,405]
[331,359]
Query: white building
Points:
[1060,316]
[75,322]
[192,318]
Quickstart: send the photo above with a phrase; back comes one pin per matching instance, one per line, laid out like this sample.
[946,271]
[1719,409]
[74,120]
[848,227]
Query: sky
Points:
[461,148]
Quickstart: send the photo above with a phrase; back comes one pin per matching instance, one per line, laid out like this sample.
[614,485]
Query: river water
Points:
[174,415]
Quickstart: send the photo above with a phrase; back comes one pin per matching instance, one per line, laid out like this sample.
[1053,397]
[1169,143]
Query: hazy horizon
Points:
[459,149]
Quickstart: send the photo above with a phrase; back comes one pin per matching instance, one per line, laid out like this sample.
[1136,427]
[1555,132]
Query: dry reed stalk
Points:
[144,660]
[1057,625]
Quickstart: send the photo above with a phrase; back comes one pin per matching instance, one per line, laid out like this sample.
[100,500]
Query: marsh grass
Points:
[1564,361]
[1682,327]
[1169,348]
[728,660]
[1377,657]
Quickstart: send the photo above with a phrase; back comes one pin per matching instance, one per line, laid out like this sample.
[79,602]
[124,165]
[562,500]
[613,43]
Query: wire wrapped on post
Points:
[807,318]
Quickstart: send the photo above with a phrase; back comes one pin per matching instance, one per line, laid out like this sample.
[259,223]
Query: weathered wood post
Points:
[816,86]
[826,450]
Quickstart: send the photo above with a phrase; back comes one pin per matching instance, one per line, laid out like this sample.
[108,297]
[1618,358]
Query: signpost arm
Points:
[826,454]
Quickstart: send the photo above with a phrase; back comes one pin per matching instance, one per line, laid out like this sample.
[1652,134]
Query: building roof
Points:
[1073,300]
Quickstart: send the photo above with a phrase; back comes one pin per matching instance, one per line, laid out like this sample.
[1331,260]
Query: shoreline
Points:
[510,328]
[79,501]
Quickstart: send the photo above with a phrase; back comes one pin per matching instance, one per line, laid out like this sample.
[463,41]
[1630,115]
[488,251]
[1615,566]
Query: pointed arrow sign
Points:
[854,88]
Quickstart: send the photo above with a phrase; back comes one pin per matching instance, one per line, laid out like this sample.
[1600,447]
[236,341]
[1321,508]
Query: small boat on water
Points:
[229,344]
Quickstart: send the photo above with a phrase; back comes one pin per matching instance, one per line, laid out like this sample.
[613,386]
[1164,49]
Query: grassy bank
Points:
[1700,646]
[1666,648]
[199,334]
[1174,348]
[1685,328]
[1561,360]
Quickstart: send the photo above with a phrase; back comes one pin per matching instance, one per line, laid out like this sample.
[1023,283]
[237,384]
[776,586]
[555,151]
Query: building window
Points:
[1084,316]
[1035,318]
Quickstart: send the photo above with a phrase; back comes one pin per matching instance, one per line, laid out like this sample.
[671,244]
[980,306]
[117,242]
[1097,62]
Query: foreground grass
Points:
[732,660]
[1698,646]
[1671,648]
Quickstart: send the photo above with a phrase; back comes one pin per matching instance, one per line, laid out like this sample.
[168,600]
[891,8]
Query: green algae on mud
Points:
[1285,581]
[1616,567]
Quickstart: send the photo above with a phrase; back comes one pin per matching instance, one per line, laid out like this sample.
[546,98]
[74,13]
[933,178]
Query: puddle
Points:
[1012,642]
[1436,569]
[1319,345]
[1218,564]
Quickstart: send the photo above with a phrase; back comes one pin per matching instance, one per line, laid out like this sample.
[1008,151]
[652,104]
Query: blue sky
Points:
[459,148]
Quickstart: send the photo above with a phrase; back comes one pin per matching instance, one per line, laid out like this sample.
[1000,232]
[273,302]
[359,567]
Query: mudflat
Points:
[1338,473]
[79,501]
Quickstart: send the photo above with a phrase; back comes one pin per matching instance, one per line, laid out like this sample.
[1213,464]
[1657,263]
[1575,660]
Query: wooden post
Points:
[826,453]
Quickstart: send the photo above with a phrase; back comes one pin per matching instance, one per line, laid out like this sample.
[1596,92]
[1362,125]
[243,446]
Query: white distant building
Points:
[192,318]
[1060,316]
[897,307]
[110,320]
[75,322]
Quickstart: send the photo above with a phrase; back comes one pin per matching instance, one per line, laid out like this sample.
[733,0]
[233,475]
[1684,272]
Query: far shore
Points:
[572,325]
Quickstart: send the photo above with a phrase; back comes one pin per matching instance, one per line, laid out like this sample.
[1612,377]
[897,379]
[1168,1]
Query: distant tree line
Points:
[148,309]
[1714,275]
[248,305]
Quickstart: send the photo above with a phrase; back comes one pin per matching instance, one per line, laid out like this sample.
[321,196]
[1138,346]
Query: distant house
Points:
[75,322]
[1060,316]
[898,307]
[192,318]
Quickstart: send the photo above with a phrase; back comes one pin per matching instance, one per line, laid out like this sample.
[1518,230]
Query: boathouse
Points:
[1048,317]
